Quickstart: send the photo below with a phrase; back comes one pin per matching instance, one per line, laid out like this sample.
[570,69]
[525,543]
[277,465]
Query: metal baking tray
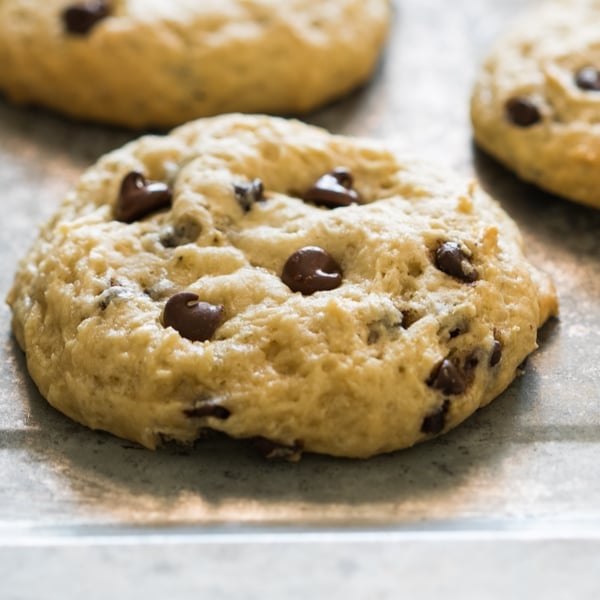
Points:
[513,495]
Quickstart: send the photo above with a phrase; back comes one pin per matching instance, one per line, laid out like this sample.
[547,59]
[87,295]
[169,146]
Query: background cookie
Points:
[263,278]
[162,63]
[536,103]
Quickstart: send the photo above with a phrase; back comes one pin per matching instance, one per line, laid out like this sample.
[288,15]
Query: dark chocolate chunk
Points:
[139,197]
[194,320]
[447,377]
[522,112]
[333,190]
[311,269]
[208,409]
[450,259]
[435,423]
[588,79]
[80,18]
[496,355]
[275,451]
[248,194]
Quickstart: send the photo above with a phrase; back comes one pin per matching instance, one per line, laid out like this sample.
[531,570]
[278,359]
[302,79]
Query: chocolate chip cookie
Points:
[142,64]
[268,280]
[536,102]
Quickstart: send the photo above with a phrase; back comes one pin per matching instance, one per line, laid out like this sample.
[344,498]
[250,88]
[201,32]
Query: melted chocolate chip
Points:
[435,423]
[139,197]
[588,79]
[80,18]
[522,112]
[275,451]
[248,194]
[196,321]
[311,269]
[333,190]
[208,409]
[447,377]
[450,259]
[496,355]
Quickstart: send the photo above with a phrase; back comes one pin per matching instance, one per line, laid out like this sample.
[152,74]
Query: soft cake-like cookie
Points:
[536,103]
[139,63]
[266,279]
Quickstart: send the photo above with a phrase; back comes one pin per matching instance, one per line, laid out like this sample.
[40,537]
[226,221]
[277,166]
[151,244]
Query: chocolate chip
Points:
[588,79]
[311,269]
[522,112]
[80,18]
[275,451]
[496,355]
[208,409]
[373,336]
[450,259]
[333,190]
[248,194]
[112,293]
[388,326]
[180,234]
[196,321]
[409,317]
[435,423]
[471,362]
[447,377]
[139,197]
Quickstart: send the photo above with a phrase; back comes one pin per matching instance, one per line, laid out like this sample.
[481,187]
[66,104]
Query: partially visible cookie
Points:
[268,280]
[142,63]
[536,102]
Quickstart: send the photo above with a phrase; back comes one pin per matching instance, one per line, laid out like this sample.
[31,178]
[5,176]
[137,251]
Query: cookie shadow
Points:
[557,222]
[358,112]
[223,482]
[50,134]
[361,111]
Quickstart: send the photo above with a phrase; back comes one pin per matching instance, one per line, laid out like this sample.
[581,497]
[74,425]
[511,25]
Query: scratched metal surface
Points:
[526,466]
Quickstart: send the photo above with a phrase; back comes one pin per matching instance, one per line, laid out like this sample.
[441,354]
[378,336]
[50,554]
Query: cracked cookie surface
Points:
[142,63]
[536,103]
[275,282]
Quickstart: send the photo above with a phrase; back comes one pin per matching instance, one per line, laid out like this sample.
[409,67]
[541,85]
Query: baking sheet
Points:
[525,467]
